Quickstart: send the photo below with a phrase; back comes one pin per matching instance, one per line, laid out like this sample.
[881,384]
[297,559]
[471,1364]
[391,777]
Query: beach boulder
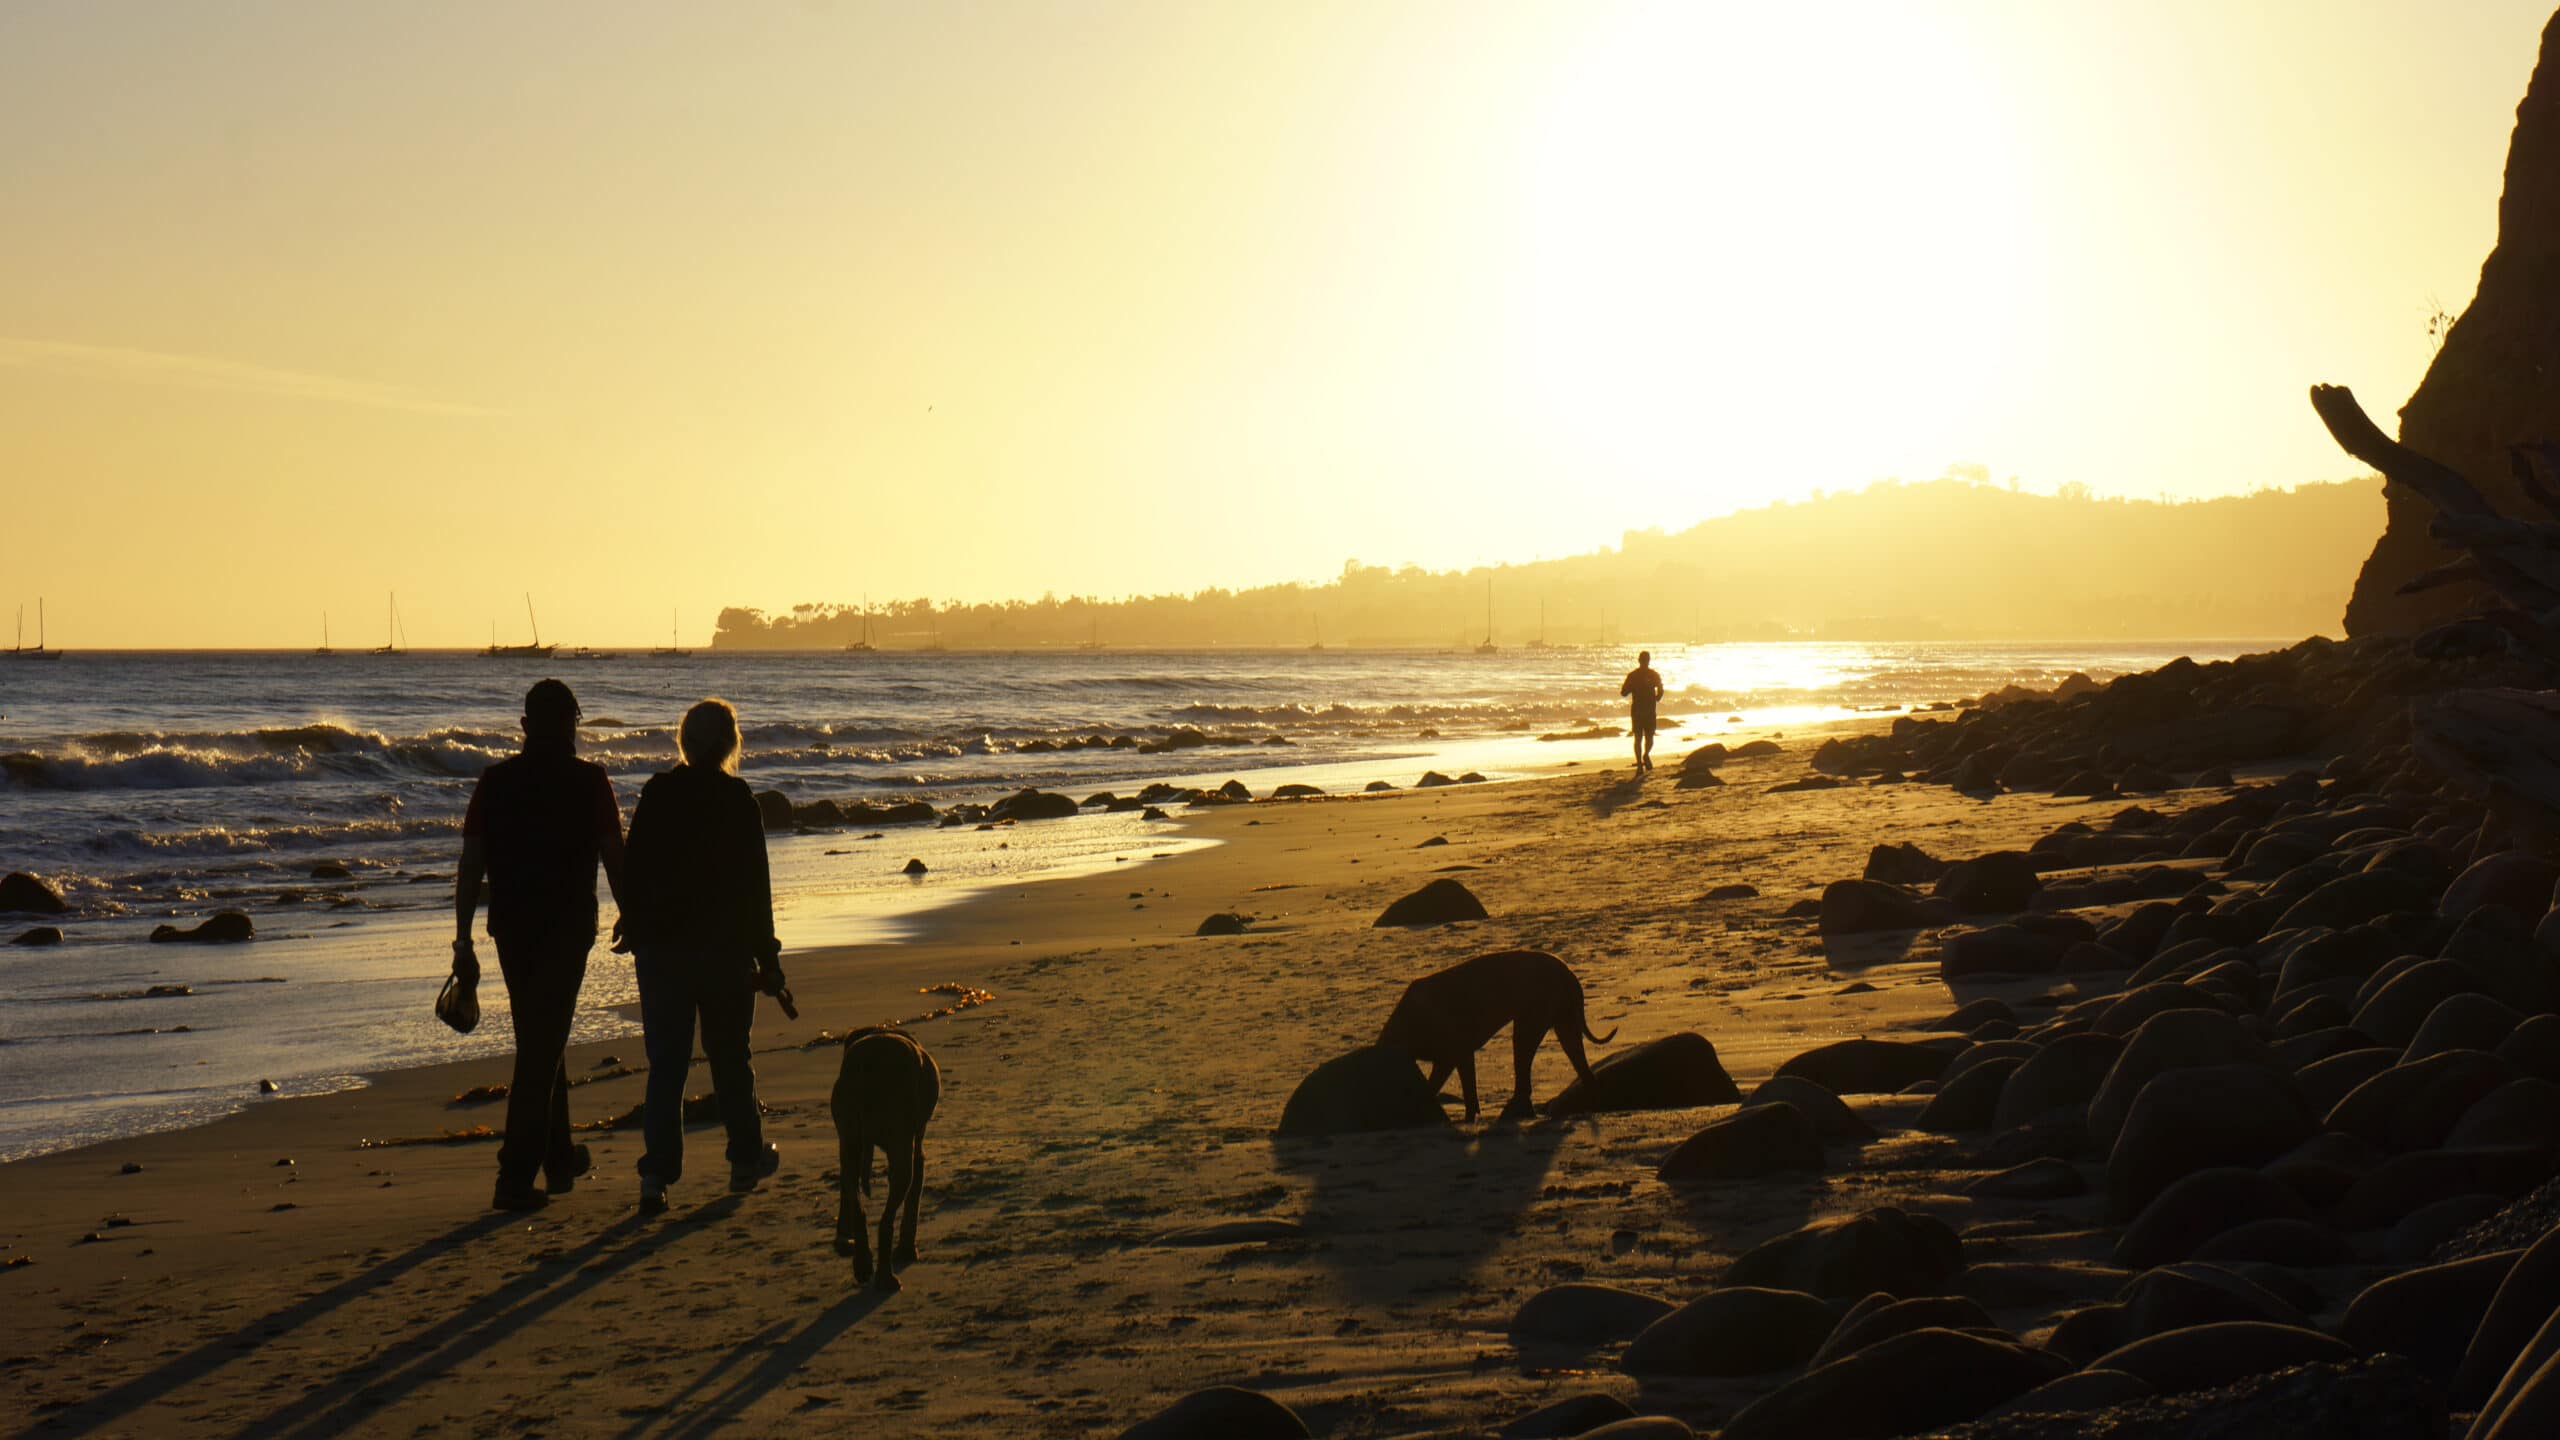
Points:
[912,867]
[2200,1357]
[2002,882]
[1297,792]
[1903,864]
[2199,1207]
[1225,922]
[222,927]
[774,808]
[2415,1104]
[1674,1072]
[30,894]
[1438,903]
[1856,907]
[1581,1314]
[2519,880]
[1223,1411]
[1585,1414]
[1372,1088]
[39,935]
[1881,1317]
[1737,1331]
[2196,1119]
[1751,1142]
[2061,1076]
[1432,780]
[1884,1249]
[1832,1118]
[1029,804]
[2431,1314]
[1918,1381]
[2525,1294]
[1868,1067]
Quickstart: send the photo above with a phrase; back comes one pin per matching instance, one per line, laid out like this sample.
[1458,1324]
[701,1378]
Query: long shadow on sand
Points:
[1609,795]
[555,1279]
[1406,1214]
[783,1356]
[102,1411]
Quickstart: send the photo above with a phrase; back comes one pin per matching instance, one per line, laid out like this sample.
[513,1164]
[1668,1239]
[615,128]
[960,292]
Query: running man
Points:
[1643,689]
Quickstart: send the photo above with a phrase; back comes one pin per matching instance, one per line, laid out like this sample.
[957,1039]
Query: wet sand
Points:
[1122,1083]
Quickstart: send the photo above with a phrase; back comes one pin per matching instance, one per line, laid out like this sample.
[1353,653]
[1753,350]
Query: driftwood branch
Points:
[2529,478]
[2441,484]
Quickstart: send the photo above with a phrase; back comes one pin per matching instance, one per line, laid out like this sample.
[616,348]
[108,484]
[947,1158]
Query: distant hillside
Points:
[1944,559]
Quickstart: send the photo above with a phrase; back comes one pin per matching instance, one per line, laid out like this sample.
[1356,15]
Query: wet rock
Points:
[1736,1330]
[1029,804]
[1867,1067]
[1296,792]
[39,935]
[1377,787]
[1674,1072]
[1880,1250]
[1751,1142]
[30,894]
[1223,1411]
[1432,780]
[1586,1315]
[1441,902]
[223,927]
[1372,1088]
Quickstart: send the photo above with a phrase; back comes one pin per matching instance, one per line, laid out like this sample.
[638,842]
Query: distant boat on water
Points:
[1541,642]
[671,650]
[324,636]
[1488,647]
[861,644]
[391,630]
[1094,643]
[535,651]
[20,650]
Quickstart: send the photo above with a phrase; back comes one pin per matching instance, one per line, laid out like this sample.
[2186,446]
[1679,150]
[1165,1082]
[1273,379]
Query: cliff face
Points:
[2496,382]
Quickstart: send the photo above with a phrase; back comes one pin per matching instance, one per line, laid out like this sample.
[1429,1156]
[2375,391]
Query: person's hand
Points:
[466,961]
[769,977]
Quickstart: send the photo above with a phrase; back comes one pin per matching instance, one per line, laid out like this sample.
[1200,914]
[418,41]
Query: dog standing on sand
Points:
[1444,1018]
[885,1092]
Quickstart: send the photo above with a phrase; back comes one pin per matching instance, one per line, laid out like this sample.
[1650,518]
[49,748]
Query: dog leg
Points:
[901,1166]
[853,1157]
[1525,1036]
[1467,1081]
[915,1194]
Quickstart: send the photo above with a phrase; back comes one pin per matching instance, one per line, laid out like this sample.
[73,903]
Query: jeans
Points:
[543,977]
[678,988]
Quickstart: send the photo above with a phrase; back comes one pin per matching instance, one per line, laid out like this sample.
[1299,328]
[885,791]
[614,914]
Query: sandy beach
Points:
[272,1274]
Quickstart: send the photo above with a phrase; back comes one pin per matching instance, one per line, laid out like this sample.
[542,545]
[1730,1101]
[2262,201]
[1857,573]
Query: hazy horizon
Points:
[654,308]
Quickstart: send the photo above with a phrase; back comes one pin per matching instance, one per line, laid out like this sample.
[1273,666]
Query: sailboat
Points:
[1488,647]
[1316,624]
[535,651]
[1541,642]
[391,630]
[861,644]
[20,650]
[324,636]
[671,649]
[1096,642]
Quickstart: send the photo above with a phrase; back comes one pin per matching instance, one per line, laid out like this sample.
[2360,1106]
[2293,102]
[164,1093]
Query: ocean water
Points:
[160,787]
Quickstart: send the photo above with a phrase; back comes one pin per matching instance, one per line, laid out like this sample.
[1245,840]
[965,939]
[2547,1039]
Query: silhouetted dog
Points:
[1445,1018]
[884,1094]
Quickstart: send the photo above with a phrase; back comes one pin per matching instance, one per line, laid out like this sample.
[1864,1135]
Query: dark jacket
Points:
[694,869]
[543,816]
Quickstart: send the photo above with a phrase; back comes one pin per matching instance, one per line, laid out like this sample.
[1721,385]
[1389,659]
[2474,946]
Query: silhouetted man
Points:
[538,824]
[1643,689]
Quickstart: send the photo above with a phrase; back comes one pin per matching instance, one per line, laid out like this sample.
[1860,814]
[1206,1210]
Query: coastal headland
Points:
[2250,875]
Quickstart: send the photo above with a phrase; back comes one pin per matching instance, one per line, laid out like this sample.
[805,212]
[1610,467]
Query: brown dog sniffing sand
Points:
[885,1092]
[1445,1018]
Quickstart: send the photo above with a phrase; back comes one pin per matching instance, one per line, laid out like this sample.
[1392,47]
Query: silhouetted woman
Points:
[698,914]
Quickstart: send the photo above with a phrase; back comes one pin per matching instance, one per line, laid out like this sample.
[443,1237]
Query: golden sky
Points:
[652,306]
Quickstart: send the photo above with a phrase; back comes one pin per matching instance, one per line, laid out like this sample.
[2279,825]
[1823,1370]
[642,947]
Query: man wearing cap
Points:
[538,825]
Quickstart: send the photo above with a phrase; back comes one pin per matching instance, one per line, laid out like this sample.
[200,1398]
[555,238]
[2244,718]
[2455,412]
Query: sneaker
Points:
[653,1195]
[561,1182]
[517,1197]
[744,1177]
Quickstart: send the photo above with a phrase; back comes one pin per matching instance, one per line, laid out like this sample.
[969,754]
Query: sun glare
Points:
[1765,246]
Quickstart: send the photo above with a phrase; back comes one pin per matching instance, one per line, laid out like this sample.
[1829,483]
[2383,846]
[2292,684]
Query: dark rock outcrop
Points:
[1751,1142]
[29,894]
[1224,1411]
[1674,1072]
[222,927]
[1372,1088]
[1739,1330]
[1885,1250]
[1438,903]
[1578,1313]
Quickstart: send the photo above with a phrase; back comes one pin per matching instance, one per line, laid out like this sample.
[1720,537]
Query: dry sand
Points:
[1122,1082]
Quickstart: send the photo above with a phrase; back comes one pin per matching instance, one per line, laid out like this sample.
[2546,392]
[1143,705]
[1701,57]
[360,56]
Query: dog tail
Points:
[1596,1038]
